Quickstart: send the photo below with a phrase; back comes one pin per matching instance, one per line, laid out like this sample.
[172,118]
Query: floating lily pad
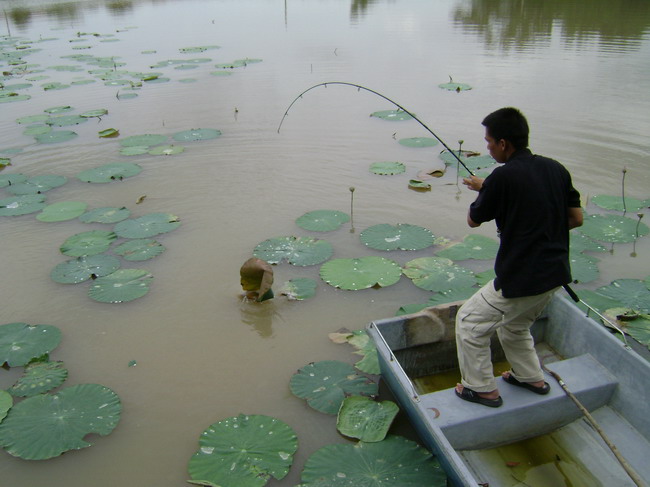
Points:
[438,274]
[44,426]
[393,462]
[616,203]
[196,134]
[143,140]
[62,211]
[299,289]
[450,296]
[392,115]
[322,220]
[37,130]
[584,268]
[39,377]
[38,184]
[360,340]
[13,97]
[300,251]
[136,150]
[418,185]
[363,273]
[452,86]
[486,276]
[238,63]
[6,401]
[326,384]
[147,226]
[108,133]
[20,342]
[472,247]
[65,120]
[139,249]
[243,451]
[387,168]
[639,329]
[613,228]
[221,73]
[418,142]
[92,242]
[166,150]
[121,286]
[472,160]
[365,419]
[581,243]
[83,268]
[55,136]
[631,293]
[109,172]
[393,237]
[22,205]
[100,112]
[106,215]
[9,179]
[32,119]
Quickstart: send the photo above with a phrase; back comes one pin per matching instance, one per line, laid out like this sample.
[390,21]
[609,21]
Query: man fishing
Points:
[534,204]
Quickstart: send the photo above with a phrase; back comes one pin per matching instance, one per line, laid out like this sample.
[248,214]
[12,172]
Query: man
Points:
[534,204]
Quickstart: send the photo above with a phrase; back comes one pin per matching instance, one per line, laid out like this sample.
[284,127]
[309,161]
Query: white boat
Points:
[480,446]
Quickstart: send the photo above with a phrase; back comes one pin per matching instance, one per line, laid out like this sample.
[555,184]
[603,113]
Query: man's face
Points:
[496,148]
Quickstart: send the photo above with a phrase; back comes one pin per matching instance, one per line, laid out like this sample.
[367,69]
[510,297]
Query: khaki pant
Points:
[477,320]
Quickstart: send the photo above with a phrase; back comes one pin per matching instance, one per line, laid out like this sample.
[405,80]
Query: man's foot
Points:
[489,399]
[539,387]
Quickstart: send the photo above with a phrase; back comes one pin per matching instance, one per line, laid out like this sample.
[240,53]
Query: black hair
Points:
[508,124]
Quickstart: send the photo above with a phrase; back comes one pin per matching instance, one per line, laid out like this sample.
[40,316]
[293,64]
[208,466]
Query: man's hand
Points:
[474,183]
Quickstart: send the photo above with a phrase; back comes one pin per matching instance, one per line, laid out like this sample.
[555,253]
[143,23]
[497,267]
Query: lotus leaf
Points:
[484,277]
[136,150]
[92,242]
[393,462]
[55,136]
[121,286]
[452,86]
[83,268]
[584,268]
[387,168]
[9,179]
[418,185]
[597,301]
[197,48]
[39,377]
[393,237]
[617,203]
[106,215]
[363,273]
[631,293]
[140,140]
[4,162]
[20,342]
[322,220]
[613,228]
[147,226]
[472,160]
[22,205]
[62,211]
[100,112]
[139,249]
[392,115]
[126,96]
[166,150]
[300,251]
[366,419]
[472,247]
[12,97]
[299,289]
[370,361]
[245,450]
[325,385]
[6,401]
[155,80]
[37,184]
[65,120]
[32,119]
[37,130]
[196,134]
[44,426]
[221,73]
[438,274]
[450,296]
[109,172]
[108,133]
[238,63]
[418,142]
[581,243]
[639,329]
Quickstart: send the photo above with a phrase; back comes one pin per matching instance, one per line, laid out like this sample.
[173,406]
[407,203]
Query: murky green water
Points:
[579,70]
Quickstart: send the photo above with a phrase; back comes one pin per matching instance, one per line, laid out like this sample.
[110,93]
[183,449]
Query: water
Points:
[578,70]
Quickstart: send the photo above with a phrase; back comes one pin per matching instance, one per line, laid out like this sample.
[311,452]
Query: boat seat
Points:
[523,413]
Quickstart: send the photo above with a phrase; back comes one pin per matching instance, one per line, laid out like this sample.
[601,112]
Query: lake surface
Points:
[579,70]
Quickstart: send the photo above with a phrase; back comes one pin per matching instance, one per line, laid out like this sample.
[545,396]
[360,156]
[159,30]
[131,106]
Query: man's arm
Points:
[575,217]
[471,222]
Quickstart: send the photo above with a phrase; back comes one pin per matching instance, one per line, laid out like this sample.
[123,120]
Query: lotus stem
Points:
[640,215]
[623,190]
[352,209]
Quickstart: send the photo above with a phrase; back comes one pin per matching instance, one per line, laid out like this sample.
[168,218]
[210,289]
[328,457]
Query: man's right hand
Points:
[474,183]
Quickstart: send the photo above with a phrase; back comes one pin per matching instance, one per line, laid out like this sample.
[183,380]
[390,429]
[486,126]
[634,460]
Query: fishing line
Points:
[359,87]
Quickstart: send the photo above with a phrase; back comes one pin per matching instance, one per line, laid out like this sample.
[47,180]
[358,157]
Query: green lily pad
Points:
[143,140]
[581,243]
[9,179]
[387,168]
[65,120]
[418,142]
[392,115]
[639,329]
[419,185]
[20,342]
[196,134]
[83,268]
[363,273]
[472,247]
[38,184]
[100,112]
[616,203]
[472,160]
[22,205]
[109,172]
[92,242]
[300,251]
[58,109]
[106,215]
[13,97]
[166,150]
[108,133]
[393,462]
[126,96]
[45,426]
[486,276]
[6,401]
[62,211]
[55,136]
[39,377]
[221,73]
[32,119]
[443,297]
[397,237]
[452,86]
[325,385]
[322,220]
[238,63]
[136,150]
[147,226]
[299,289]
[365,419]
[121,286]
[631,293]
[369,364]
[37,130]
[438,274]
[613,228]
[584,268]
[597,301]
[139,249]
[245,450]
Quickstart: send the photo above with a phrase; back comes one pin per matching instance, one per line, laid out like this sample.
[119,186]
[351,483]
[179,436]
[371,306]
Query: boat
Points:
[480,446]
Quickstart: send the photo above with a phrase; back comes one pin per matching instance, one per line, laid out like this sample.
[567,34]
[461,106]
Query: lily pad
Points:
[62,211]
[397,237]
[584,268]
[108,133]
[166,150]
[616,203]
[452,86]
[418,142]
[38,184]
[581,243]
[139,249]
[147,226]
[9,179]
[100,112]
[362,273]
[140,140]
[387,168]
[392,115]
[45,426]
[322,220]
[20,342]
[65,120]
[632,293]
[55,136]
[639,329]
[613,228]
[6,401]
[597,301]
[92,242]
[37,130]
[360,340]
[299,289]
[121,286]
[325,385]
[472,247]
[136,150]
[32,119]
[39,377]
[438,274]
[109,172]
[393,462]
[472,160]
[365,419]
[418,185]
[83,268]
[106,215]
[22,205]
[196,134]
[300,251]
[245,450]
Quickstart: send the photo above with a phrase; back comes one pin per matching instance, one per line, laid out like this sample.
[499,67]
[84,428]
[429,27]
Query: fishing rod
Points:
[359,87]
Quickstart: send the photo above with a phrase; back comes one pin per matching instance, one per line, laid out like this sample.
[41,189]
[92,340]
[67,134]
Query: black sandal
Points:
[472,396]
[537,390]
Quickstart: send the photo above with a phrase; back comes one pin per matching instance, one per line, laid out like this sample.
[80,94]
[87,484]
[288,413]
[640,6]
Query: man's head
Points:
[506,131]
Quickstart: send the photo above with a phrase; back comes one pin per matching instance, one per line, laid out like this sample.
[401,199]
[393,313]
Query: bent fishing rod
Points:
[359,87]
